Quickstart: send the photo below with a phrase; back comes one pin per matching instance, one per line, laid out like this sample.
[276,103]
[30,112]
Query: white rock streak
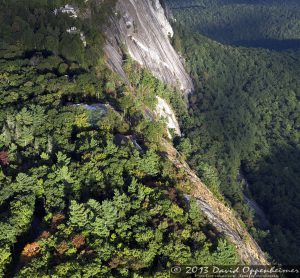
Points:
[161,17]
[151,53]
[163,110]
[143,29]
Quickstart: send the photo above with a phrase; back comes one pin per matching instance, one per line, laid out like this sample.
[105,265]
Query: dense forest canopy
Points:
[84,190]
[244,118]
[258,23]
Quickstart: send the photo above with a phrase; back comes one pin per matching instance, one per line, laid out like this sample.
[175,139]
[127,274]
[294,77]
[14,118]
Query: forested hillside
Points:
[84,189]
[244,117]
[272,24]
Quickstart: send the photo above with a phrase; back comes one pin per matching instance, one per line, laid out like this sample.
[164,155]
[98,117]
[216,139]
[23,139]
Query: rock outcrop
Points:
[142,28]
[221,217]
[164,111]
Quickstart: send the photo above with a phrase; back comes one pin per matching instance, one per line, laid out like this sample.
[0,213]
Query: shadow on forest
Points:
[28,237]
[275,184]
[247,30]
[278,45]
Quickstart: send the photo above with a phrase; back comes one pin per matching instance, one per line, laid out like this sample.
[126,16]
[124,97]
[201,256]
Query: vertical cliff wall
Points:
[142,28]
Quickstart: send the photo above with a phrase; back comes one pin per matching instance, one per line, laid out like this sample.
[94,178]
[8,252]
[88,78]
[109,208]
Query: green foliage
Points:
[85,181]
[244,113]
[35,26]
[255,23]
[184,147]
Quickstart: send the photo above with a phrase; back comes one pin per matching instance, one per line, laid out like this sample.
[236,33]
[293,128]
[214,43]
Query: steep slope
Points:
[143,29]
[85,190]
[243,121]
[220,216]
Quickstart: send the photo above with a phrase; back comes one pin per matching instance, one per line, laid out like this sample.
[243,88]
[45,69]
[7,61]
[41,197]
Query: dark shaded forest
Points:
[245,112]
[266,24]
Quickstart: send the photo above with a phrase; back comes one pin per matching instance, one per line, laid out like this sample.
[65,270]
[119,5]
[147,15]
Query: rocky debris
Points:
[72,30]
[164,111]
[67,9]
[220,216]
[142,27]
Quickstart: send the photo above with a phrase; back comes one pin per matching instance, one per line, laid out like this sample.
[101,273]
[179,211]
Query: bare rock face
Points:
[221,217]
[142,27]
[165,111]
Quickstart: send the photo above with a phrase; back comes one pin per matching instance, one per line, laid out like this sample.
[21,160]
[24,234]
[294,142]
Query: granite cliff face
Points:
[141,26]
[221,217]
